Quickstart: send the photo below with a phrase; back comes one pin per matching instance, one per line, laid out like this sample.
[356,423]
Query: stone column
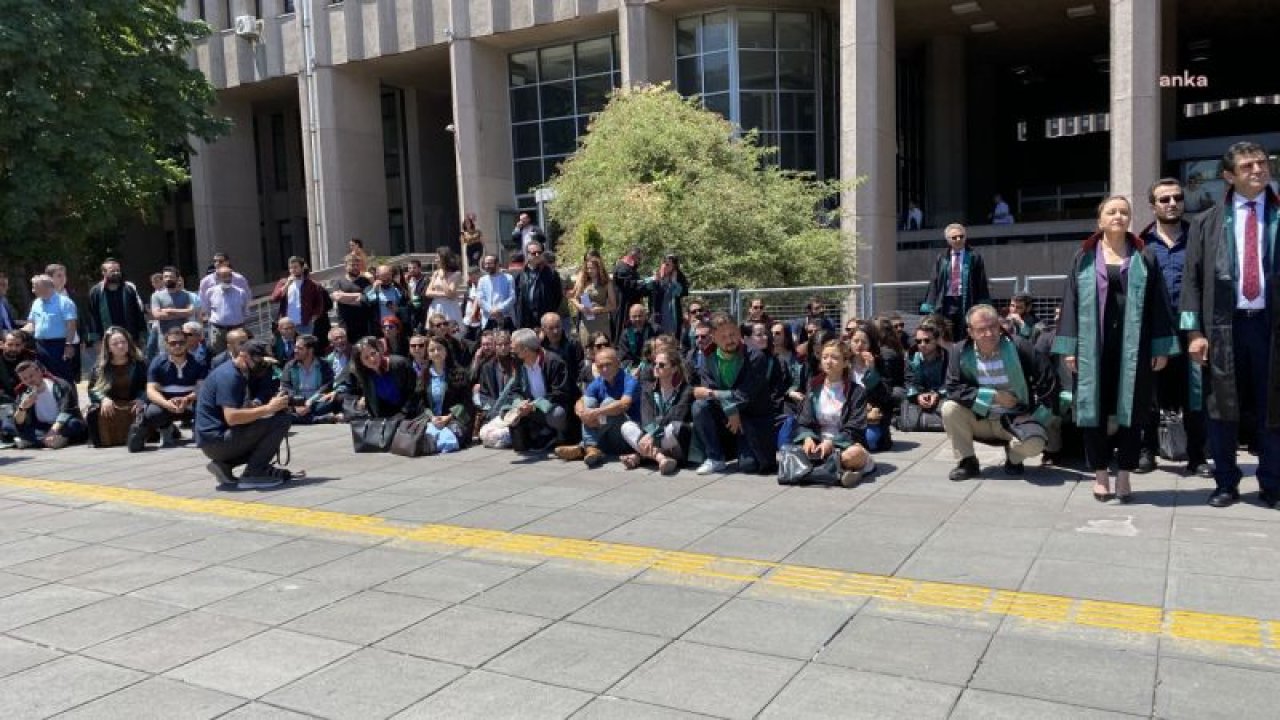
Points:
[946,132]
[482,135]
[868,144]
[646,42]
[1135,96]
[349,123]
[224,193]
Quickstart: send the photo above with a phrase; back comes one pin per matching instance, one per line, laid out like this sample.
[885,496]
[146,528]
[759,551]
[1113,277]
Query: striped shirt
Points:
[991,373]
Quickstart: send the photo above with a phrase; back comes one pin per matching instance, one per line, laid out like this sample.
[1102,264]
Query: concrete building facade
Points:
[388,120]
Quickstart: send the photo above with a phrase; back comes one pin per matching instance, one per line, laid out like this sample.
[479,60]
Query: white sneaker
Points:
[711,466]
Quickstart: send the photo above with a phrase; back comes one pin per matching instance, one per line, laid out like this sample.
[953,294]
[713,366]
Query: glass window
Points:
[559,136]
[795,31]
[688,76]
[758,111]
[717,103]
[797,111]
[528,175]
[550,165]
[687,36]
[593,93]
[524,68]
[755,29]
[555,63]
[595,56]
[524,104]
[557,99]
[526,141]
[756,70]
[715,72]
[715,32]
[796,71]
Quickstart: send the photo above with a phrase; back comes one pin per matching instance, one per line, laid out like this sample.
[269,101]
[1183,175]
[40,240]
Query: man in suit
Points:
[1231,310]
[959,281]
[538,290]
[542,393]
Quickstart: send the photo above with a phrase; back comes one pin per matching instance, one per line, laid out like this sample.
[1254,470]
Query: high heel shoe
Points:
[1102,497]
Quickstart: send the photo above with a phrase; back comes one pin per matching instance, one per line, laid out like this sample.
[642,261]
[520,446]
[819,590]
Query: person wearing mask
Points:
[211,278]
[234,340]
[308,381]
[538,290]
[731,402]
[610,400]
[1230,306]
[172,382]
[114,302]
[540,393]
[242,420]
[47,413]
[667,291]
[228,306]
[496,296]
[298,297]
[378,384]
[959,281]
[594,298]
[117,389]
[348,296]
[833,416]
[1114,335]
[52,321]
[446,396]
[635,336]
[171,306]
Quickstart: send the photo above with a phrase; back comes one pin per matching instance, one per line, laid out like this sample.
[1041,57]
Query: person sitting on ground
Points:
[587,371]
[731,402]
[494,376]
[609,401]
[447,397]
[926,380]
[233,339]
[117,389]
[703,345]
[866,370]
[439,326]
[540,394]
[394,341]
[197,348]
[779,378]
[784,350]
[14,351]
[815,313]
[992,378]
[241,420]
[339,351]
[635,335]
[557,341]
[1021,320]
[377,384]
[47,413]
[308,381]
[172,382]
[833,417]
[664,433]
[286,339]
[893,357]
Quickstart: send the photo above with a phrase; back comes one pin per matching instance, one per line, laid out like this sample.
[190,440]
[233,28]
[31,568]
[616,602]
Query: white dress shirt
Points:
[1241,221]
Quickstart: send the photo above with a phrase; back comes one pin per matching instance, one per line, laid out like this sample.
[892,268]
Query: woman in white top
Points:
[833,417]
[447,287]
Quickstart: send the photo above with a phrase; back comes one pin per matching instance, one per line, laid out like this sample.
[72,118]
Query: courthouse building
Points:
[387,120]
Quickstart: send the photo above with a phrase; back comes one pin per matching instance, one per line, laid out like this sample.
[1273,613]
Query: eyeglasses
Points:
[417,346]
[757,307]
[955,237]
[924,341]
[899,326]
[174,343]
[1169,199]
[600,345]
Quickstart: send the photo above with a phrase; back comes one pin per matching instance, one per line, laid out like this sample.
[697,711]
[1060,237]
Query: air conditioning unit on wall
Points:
[248,27]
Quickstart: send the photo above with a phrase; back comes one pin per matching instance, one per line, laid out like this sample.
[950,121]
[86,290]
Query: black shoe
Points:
[137,439]
[1223,498]
[1146,462]
[1125,499]
[1200,469]
[1268,499]
[1048,459]
[222,472]
[1014,469]
[1103,497]
[965,469]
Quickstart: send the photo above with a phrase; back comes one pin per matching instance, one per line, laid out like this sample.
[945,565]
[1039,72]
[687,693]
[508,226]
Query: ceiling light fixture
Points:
[984,27]
[966,8]
[1081,11]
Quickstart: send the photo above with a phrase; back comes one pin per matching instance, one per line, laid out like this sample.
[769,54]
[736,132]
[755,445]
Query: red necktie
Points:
[1252,286]
[953,289]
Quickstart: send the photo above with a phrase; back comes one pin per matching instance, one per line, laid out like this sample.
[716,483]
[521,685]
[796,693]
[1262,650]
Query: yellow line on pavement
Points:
[1062,610]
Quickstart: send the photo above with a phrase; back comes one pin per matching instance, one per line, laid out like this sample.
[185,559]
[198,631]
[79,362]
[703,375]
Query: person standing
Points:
[1231,311]
[348,296]
[538,290]
[959,281]
[471,240]
[594,299]
[298,297]
[228,306]
[114,302]
[526,232]
[1115,333]
[495,294]
[628,287]
[52,321]
[221,259]
[446,287]
[667,291]
[9,317]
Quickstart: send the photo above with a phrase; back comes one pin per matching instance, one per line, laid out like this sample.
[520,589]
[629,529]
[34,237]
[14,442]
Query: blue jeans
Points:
[1251,355]
[34,431]
[609,436]
[756,442]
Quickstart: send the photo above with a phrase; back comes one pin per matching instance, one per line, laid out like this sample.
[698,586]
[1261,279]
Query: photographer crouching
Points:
[241,419]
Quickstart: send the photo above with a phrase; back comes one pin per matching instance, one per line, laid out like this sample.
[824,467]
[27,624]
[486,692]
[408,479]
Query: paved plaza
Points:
[485,585]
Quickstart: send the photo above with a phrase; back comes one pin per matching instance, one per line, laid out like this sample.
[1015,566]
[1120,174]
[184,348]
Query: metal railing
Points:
[1045,291]
[840,301]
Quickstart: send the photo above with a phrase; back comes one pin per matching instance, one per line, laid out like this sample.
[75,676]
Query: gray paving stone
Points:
[168,536]
[665,610]
[23,551]
[500,516]
[825,692]
[1113,583]
[1001,571]
[134,574]
[871,527]
[262,711]
[702,509]
[280,601]
[451,579]
[1141,552]
[90,625]
[489,696]
[554,496]
[917,650]
[73,562]
[256,666]
[10,583]
[16,655]
[59,685]
[38,603]
[1218,529]
[430,509]
[612,708]
[366,617]
[917,508]
[368,684]
[464,635]
[366,503]
[984,705]
[1211,560]
[745,542]
[575,523]
[293,556]
[1064,672]
[546,592]
[369,567]
[1223,594]
[790,630]
[842,553]
[577,656]
[666,534]
[204,586]
[979,539]
[153,649]
[226,546]
[112,525]
[1199,691]
[157,698]
[714,681]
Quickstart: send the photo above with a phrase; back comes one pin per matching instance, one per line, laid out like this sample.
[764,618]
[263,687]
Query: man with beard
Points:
[732,400]
[171,306]
[172,381]
[13,352]
[47,412]
[555,340]
[348,295]
[628,286]
[538,290]
[239,421]
[495,295]
[114,302]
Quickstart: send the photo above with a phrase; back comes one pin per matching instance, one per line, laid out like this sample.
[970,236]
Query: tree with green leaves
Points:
[97,105]
[657,171]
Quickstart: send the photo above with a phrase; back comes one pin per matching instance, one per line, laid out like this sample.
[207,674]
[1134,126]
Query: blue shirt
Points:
[387,300]
[49,317]
[225,387]
[624,384]
[1170,259]
[175,381]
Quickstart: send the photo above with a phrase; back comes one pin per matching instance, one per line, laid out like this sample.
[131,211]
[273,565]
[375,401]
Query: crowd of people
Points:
[1176,320]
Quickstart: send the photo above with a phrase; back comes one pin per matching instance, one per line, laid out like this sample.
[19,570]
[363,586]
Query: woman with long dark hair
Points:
[471,240]
[379,384]
[833,416]
[865,370]
[447,287]
[665,431]
[446,395]
[1116,329]
[117,389]
[594,299]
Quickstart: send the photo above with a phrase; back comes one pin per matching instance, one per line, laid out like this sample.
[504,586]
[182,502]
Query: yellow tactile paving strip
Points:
[1081,612]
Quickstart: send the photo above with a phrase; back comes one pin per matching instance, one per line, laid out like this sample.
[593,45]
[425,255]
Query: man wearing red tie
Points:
[959,282]
[1230,308]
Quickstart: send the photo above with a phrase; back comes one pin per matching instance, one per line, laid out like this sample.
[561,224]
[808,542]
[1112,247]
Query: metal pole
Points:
[306,14]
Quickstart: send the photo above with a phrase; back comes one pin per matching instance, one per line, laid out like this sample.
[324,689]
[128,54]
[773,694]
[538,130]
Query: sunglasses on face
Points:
[924,341]
[417,346]
[899,326]
[601,345]
[175,343]
[1169,199]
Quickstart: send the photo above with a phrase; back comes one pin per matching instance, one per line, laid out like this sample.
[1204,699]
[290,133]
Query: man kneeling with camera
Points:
[242,420]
